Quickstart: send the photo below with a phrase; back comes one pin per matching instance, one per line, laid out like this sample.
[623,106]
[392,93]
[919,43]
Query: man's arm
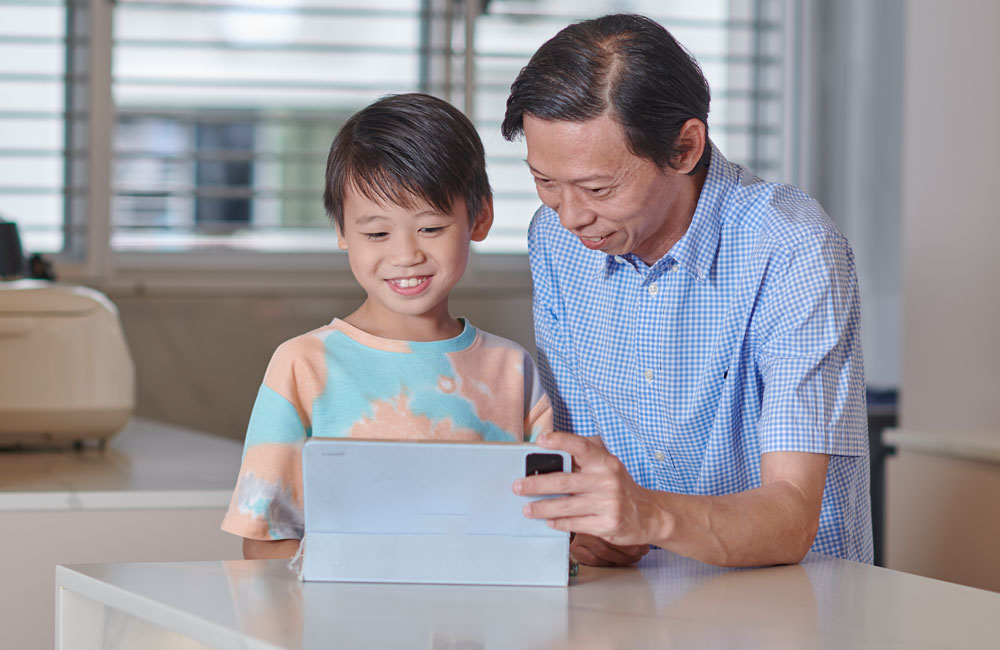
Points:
[259,549]
[773,524]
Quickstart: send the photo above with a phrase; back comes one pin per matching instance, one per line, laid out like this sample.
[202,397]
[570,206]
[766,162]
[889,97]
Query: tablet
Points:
[428,512]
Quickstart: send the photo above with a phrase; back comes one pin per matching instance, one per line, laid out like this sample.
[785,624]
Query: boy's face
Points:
[408,259]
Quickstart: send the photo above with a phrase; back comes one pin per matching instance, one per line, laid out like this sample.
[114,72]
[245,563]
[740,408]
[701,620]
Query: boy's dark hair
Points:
[625,64]
[406,146]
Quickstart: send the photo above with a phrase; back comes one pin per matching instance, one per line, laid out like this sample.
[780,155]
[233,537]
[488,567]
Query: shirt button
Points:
[659,456]
[648,375]
[619,259]
[653,289]
[674,268]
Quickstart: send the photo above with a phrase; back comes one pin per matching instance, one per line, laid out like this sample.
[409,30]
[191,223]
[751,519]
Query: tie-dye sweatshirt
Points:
[338,381]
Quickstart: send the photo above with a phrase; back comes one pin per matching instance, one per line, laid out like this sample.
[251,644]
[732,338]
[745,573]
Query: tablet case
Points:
[425,512]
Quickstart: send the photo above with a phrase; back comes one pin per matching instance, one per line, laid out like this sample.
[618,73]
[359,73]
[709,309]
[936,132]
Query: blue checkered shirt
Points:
[743,339]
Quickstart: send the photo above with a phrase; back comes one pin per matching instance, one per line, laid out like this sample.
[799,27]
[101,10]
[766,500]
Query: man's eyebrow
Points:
[575,181]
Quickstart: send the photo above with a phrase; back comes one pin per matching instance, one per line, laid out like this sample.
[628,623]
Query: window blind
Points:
[33,120]
[224,109]
[739,45]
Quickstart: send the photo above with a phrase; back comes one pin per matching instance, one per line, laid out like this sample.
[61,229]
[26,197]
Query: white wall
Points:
[951,220]
[943,512]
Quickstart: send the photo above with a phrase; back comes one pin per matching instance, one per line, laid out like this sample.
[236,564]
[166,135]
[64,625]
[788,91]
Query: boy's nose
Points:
[406,251]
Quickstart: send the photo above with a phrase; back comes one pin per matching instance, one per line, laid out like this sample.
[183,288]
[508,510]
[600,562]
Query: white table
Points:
[155,493]
[667,602]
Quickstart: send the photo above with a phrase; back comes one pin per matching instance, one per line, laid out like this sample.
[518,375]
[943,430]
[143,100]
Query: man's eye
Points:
[544,182]
[376,235]
[598,191]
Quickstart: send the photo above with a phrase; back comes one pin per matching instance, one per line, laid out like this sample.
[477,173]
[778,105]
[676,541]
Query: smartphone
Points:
[542,463]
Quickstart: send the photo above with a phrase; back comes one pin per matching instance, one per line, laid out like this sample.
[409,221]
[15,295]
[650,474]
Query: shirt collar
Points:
[695,251]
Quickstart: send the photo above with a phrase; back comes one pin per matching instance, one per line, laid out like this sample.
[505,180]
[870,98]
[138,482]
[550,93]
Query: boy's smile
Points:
[409,286]
[407,259]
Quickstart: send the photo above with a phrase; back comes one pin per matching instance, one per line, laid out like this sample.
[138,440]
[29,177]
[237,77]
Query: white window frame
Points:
[96,263]
[238,271]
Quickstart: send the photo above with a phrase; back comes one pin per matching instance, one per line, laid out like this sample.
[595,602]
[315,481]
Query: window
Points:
[224,109]
[740,46]
[32,119]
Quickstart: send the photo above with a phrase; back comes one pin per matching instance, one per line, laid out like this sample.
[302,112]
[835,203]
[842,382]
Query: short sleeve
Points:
[267,501]
[538,409]
[810,352]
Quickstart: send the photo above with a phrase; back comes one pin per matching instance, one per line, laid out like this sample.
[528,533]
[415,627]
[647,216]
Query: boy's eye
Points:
[432,230]
[375,235]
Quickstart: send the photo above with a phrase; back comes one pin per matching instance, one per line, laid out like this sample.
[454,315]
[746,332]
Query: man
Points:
[697,328]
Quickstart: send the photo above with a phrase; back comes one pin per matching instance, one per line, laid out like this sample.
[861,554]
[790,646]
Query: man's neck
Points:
[679,217]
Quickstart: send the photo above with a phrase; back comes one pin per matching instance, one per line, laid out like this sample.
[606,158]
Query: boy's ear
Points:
[484,221]
[341,240]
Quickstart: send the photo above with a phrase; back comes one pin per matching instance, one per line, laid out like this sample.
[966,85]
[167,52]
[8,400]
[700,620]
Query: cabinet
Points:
[155,493]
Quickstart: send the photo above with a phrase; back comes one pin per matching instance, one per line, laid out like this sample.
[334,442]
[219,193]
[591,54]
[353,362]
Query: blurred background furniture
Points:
[155,493]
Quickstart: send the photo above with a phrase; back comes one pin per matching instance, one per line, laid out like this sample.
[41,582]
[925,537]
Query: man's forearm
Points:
[773,524]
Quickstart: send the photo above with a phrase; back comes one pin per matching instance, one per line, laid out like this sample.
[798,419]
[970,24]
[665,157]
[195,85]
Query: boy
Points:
[407,190]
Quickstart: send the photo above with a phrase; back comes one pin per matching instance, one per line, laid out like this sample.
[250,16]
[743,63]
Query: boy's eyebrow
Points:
[361,221]
[369,218]
[584,179]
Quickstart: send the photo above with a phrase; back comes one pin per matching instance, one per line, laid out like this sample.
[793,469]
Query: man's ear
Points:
[484,221]
[691,141]
[341,240]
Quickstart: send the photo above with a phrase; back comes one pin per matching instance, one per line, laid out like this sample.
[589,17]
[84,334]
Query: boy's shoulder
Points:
[492,353]
[488,340]
[305,344]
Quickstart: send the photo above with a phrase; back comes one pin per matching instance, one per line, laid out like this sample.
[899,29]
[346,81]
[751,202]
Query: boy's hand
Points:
[600,501]
[258,549]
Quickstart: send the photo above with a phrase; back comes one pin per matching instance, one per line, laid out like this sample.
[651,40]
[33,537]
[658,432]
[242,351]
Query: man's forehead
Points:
[594,150]
[603,124]
[600,132]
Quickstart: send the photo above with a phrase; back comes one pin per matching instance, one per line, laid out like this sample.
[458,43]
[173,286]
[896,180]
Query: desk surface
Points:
[667,602]
[147,465]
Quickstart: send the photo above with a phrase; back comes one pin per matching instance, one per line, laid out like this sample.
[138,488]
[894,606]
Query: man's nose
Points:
[573,211]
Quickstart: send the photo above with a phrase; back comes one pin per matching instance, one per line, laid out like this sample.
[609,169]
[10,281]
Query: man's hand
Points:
[601,501]
[775,523]
[594,551]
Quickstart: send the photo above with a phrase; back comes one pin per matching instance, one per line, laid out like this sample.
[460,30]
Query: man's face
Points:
[611,199]
[407,259]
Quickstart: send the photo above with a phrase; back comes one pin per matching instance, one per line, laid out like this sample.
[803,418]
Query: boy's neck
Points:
[422,328]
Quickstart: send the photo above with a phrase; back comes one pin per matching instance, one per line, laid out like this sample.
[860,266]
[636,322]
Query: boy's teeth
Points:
[407,282]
